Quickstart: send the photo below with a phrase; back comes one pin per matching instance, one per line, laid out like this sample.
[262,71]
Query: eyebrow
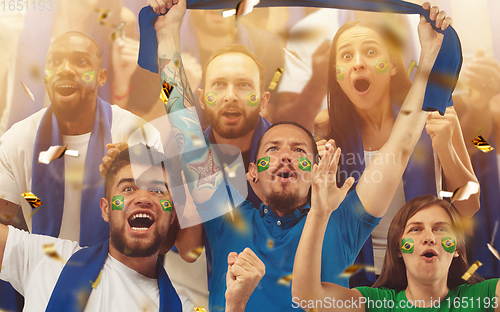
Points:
[125,180]
[420,223]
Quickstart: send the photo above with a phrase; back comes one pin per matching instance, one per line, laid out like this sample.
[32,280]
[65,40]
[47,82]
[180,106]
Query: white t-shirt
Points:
[16,156]
[379,234]
[34,274]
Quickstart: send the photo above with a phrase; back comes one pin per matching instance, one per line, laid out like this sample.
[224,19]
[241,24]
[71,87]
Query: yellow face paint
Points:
[252,99]
[340,73]
[381,66]
[211,98]
[88,76]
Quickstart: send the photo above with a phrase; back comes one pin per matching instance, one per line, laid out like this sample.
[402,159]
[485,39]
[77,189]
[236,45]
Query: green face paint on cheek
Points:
[117,203]
[88,76]
[381,66]
[211,98]
[263,163]
[252,99]
[407,245]
[48,75]
[166,205]
[304,164]
[340,73]
[448,244]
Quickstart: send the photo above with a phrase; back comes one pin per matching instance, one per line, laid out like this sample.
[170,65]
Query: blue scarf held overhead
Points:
[442,79]
[48,179]
[74,287]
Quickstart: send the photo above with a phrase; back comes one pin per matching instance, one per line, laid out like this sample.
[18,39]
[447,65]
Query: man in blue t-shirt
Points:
[286,164]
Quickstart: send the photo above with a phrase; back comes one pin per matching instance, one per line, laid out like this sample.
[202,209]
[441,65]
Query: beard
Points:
[246,124]
[136,248]
[282,203]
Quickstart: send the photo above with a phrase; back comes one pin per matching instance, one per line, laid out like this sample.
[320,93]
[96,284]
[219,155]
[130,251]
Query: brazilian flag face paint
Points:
[166,205]
[304,164]
[381,66]
[449,244]
[48,75]
[263,163]
[340,73]
[252,99]
[117,203]
[211,98]
[88,76]
[407,245]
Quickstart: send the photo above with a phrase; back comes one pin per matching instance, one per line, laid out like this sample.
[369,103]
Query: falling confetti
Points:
[52,252]
[292,54]
[493,251]
[245,7]
[276,78]
[28,91]
[72,153]
[285,280]
[97,281]
[270,243]
[231,172]
[227,13]
[238,223]
[462,193]
[53,153]
[199,309]
[413,65]
[471,270]
[7,218]
[32,199]
[481,143]
[165,92]
[32,213]
[351,270]
[195,253]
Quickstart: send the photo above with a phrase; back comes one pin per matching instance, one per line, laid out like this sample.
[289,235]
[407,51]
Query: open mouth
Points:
[285,175]
[429,254]
[231,114]
[361,85]
[66,90]
[140,221]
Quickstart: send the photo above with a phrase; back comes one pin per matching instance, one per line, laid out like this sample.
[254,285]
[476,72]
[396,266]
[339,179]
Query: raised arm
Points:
[326,197]
[381,177]
[448,144]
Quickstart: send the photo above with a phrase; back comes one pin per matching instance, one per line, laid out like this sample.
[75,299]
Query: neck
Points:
[429,292]
[280,213]
[81,124]
[374,118]
[146,265]
[244,143]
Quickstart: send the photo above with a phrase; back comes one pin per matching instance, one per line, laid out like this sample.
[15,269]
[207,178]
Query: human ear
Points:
[104,209]
[201,98]
[101,78]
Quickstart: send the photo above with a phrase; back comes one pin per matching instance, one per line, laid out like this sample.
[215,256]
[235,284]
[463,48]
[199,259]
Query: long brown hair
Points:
[393,273]
[343,126]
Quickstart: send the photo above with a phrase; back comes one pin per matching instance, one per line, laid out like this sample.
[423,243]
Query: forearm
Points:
[457,175]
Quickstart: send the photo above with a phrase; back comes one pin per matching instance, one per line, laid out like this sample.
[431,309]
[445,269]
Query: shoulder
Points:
[122,115]
[374,293]
[485,288]
[24,128]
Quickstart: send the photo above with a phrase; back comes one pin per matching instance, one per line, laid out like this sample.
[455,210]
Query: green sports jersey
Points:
[470,298]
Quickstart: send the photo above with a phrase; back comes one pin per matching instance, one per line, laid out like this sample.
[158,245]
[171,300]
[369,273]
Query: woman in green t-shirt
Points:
[425,266]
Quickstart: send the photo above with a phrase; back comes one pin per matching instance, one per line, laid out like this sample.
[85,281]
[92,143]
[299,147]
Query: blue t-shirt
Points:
[275,240]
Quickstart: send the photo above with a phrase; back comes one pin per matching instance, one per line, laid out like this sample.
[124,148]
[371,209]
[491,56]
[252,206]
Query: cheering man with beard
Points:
[123,273]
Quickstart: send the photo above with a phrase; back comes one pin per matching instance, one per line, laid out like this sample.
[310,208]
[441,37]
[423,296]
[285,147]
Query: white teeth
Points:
[139,229]
[142,215]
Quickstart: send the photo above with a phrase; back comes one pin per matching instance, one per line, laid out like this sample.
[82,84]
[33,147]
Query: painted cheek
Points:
[449,244]
[88,76]
[166,205]
[340,73]
[211,98]
[407,245]
[304,164]
[117,203]
[263,163]
[252,99]
[381,66]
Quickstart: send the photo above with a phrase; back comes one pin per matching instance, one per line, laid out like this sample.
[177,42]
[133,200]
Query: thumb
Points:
[347,184]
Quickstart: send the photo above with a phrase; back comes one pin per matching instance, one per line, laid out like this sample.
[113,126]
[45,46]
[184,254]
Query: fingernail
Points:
[328,145]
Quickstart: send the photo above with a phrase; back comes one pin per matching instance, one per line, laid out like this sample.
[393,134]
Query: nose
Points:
[429,238]
[143,198]
[286,158]
[359,64]
[65,67]
[231,95]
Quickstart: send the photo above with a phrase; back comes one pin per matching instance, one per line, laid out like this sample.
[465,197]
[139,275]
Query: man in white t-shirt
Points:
[124,273]
[83,122]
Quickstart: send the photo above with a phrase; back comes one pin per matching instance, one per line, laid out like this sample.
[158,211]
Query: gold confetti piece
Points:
[195,253]
[82,298]
[276,78]
[413,65]
[72,153]
[471,270]
[7,217]
[370,268]
[493,251]
[52,253]
[35,72]
[245,7]
[292,54]
[231,172]
[227,13]
[199,309]
[270,243]
[285,280]
[32,199]
[351,270]
[481,144]
[32,213]
[462,193]
[27,90]
[53,153]
[238,223]
[97,281]
[165,92]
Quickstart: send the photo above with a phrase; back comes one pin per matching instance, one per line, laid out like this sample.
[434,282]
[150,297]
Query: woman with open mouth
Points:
[367,83]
